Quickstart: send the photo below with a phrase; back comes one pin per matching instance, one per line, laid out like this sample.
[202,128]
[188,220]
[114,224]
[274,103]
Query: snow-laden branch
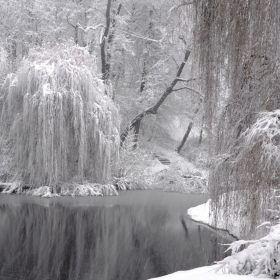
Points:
[185,80]
[176,7]
[140,36]
[153,109]
[90,27]
[160,62]
[200,94]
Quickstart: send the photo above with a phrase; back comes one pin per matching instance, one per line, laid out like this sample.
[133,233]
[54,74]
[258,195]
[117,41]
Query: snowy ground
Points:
[207,273]
[179,175]
[201,213]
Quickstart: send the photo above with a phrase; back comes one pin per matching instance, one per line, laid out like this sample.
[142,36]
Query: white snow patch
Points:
[207,273]
[201,213]
[155,167]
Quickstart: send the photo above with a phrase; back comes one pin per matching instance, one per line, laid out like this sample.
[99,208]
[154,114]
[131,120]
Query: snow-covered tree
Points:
[57,125]
[238,48]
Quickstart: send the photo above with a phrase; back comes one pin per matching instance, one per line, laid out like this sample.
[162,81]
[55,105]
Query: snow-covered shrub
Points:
[197,153]
[182,176]
[88,189]
[260,257]
[131,166]
[57,125]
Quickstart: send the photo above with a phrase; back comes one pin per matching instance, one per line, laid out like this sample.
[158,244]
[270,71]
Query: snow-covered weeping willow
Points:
[3,63]
[238,46]
[58,128]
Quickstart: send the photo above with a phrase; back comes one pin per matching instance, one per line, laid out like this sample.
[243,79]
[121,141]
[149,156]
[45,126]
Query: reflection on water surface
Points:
[137,235]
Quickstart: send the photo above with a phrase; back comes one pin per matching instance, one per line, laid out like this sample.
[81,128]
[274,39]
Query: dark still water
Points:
[137,235]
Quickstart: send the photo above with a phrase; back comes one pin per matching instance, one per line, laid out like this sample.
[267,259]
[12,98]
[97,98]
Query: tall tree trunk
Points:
[107,41]
[103,43]
[154,108]
[14,54]
[150,34]
[110,41]
[178,150]
[76,34]
[201,132]
[136,133]
[144,70]
[143,75]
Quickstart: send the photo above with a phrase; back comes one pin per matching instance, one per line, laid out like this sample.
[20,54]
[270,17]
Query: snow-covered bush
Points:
[197,153]
[131,165]
[57,124]
[260,257]
[181,176]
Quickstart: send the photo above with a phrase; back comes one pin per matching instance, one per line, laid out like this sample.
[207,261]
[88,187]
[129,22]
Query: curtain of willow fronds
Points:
[238,48]
[57,125]
[3,64]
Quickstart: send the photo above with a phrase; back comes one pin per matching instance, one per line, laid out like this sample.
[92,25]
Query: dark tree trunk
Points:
[143,76]
[189,128]
[110,43]
[136,133]
[107,41]
[154,109]
[201,132]
[178,150]
[76,28]
[103,43]
[14,54]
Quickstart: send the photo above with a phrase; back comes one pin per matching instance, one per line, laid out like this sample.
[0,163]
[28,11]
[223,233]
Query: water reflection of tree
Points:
[73,242]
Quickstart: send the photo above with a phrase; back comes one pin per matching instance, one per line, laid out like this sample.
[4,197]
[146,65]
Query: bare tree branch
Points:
[140,36]
[200,94]
[153,110]
[90,27]
[186,80]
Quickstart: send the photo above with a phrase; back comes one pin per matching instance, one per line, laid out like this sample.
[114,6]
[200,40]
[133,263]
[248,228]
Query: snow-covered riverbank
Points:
[260,259]
[203,214]
[207,273]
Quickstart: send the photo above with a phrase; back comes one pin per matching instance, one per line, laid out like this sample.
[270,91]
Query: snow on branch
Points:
[176,7]
[140,36]
[191,89]
[265,132]
[260,257]
[90,27]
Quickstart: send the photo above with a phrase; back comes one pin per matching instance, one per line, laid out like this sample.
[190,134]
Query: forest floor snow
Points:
[201,213]
[206,273]
[180,175]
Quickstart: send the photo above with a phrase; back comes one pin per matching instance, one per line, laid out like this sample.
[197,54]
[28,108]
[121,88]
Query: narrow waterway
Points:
[134,236]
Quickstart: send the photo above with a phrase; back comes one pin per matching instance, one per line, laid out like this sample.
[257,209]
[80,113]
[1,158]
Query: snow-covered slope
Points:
[206,273]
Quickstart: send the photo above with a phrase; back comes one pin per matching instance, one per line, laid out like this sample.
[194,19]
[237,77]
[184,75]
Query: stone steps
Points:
[164,161]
